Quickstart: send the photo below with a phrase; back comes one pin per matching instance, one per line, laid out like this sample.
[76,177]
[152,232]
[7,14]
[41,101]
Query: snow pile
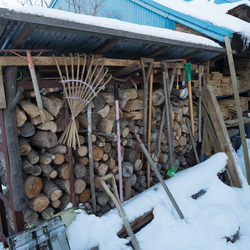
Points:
[117,25]
[211,12]
[218,213]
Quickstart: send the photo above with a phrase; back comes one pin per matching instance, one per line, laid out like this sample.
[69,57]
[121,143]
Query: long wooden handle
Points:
[149,124]
[191,110]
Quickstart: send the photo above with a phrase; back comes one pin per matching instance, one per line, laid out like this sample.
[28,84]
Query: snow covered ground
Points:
[220,212]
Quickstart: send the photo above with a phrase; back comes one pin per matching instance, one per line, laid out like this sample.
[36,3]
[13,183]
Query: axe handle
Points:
[191,110]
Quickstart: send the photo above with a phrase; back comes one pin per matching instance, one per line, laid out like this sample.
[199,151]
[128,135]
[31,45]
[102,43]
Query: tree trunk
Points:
[15,161]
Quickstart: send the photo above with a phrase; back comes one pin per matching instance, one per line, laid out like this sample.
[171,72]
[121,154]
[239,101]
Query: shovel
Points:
[188,67]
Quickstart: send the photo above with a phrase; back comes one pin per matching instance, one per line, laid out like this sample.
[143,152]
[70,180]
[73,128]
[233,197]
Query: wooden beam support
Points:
[238,106]
[49,61]
[23,35]
[214,112]
[105,46]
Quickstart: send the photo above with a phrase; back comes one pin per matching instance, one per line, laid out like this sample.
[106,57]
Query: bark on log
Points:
[59,149]
[27,130]
[64,185]
[107,147]
[84,122]
[102,198]
[129,154]
[46,158]
[48,171]
[51,189]
[29,168]
[24,146]
[99,103]
[32,156]
[29,216]
[44,139]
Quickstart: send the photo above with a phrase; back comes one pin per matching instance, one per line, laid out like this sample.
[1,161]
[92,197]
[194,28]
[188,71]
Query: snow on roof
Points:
[210,11]
[117,24]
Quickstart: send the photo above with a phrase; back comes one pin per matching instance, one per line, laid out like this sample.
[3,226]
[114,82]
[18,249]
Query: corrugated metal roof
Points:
[27,31]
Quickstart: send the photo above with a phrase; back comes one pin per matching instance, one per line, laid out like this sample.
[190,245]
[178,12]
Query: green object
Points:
[19,75]
[188,67]
[171,171]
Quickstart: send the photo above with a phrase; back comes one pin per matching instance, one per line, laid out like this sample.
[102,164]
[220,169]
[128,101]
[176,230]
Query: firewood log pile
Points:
[45,162]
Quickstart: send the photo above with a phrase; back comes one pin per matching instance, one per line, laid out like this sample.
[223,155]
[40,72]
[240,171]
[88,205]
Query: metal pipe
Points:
[118,140]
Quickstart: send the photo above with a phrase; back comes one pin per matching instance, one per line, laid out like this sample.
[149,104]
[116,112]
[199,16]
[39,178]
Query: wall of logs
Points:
[45,163]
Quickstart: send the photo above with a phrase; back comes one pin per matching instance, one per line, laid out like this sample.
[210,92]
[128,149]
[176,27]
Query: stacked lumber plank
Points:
[228,107]
[242,67]
[45,163]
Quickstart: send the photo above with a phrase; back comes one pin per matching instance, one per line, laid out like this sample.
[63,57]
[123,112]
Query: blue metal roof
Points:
[148,12]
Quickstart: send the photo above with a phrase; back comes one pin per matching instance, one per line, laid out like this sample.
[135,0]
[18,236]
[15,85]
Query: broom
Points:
[79,92]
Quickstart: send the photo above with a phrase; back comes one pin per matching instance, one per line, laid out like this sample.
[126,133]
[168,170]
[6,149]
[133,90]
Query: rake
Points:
[80,89]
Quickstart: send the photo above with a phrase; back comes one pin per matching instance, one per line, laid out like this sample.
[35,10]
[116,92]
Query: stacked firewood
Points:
[45,163]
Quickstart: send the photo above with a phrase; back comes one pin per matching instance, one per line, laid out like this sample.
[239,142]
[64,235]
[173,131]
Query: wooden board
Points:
[2,94]
[213,109]
[49,60]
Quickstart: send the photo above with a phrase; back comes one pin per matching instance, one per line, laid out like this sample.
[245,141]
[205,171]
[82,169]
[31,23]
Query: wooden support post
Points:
[91,161]
[199,117]
[14,157]
[210,101]
[238,106]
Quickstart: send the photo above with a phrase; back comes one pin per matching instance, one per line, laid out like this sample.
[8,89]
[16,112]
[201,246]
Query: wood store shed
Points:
[42,177]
